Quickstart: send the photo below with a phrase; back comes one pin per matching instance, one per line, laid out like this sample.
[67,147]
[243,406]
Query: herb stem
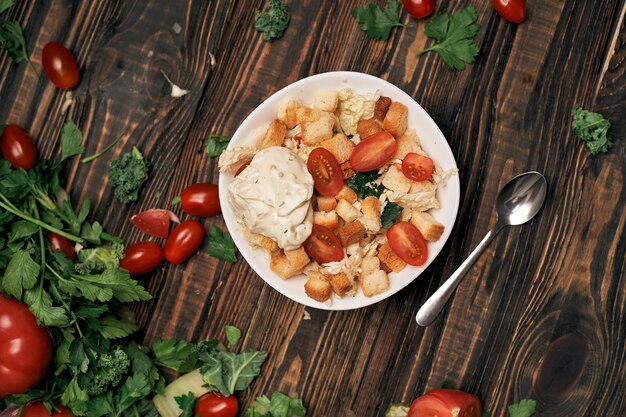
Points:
[32,67]
[111,238]
[101,152]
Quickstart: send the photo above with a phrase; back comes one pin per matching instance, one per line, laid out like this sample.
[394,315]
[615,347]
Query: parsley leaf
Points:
[40,304]
[114,328]
[273,22]
[12,39]
[390,215]
[280,405]
[178,355]
[524,408]
[186,403]
[175,201]
[71,140]
[454,37]
[233,334]
[21,274]
[221,245]
[593,129]
[214,145]
[376,22]
[6,5]
[364,184]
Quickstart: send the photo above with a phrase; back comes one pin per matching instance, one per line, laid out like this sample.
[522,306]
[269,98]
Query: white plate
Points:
[433,142]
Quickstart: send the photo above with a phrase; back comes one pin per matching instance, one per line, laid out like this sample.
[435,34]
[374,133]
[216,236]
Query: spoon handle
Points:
[433,306]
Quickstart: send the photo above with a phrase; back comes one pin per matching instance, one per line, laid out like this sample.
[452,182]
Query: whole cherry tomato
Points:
[214,404]
[25,348]
[60,65]
[201,200]
[419,8]
[373,152]
[184,241]
[40,410]
[18,148]
[63,244]
[326,172]
[141,258]
[513,11]
[446,403]
[407,242]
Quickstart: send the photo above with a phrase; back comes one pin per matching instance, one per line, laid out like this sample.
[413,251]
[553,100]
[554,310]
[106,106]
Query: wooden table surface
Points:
[556,280]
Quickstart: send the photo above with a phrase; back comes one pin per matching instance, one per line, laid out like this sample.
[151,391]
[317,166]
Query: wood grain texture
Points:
[558,278]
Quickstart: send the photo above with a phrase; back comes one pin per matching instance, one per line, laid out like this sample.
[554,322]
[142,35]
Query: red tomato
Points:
[63,244]
[244,166]
[60,65]
[326,172]
[40,410]
[373,152]
[513,11]
[154,222]
[323,245]
[25,348]
[141,258]
[18,148]
[215,404]
[446,403]
[184,241]
[298,140]
[407,242]
[201,200]
[419,8]
[417,167]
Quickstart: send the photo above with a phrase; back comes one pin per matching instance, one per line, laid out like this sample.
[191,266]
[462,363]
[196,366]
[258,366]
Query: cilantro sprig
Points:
[592,128]
[376,22]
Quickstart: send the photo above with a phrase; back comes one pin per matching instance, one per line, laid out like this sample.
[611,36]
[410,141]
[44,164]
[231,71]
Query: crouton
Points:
[340,146]
[286,264]
[335,121]
[341,284]
[326,203]
[380,107]
[286,111]
[347,194]
[396,120]
[369,265]
[374,283]
[326,100]
[306,114]
[317,287]
[368,127]
[351,233]
[370,207]
[269,245]
[347,170]
[395,180]
[275,134]
[347,211]
[318,131]
[407,143]
[430,228]
[389,261]
[326,218]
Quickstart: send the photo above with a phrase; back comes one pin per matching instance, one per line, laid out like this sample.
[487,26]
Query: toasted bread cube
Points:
[347,170]
[421,186]
[335,121]
[341,284]
[306,114]
[318,131]
[326,218]
[380,107]
[374,283]
[430,228]
[286,111]
[407,143]
[369,265]
[368,127]
[389,261]
[326,100]
[351,233]
[347,194]
[286,264]
[347,211]
[370,207]
[269,245]
[340,146]
[275,135]
[317,287]
[396,120]
[395,180]
[326,203]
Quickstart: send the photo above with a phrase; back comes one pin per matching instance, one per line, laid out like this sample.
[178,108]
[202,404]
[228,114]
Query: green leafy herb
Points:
[390,214]
[101,152]
[233,334]
[6,5]
[273,22]
[12,39]
[178,355]
[364,184]
[21,274]
[175,201]
[524,408]
[454,37]
[221,245]
[228,372]
[187,403]
[214,145]
[127,175]
[593,129]
[280,405]
[376,22]
[486,414]
[71,140]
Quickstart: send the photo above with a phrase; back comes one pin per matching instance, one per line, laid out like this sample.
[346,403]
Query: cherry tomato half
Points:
[323,245]
[40,410]
[373,152]
[419,8]
[242,167]
[417,167]
[513,11]
[407,242]
[154,222]
[326,172]
[201,200]
[184,241]
[141,258]
[215,404]
[446,403]
[60,65]
[18,148]
[25,348]
[63,244]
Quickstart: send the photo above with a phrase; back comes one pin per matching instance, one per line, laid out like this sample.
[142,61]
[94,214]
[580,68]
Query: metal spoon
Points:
[518,202]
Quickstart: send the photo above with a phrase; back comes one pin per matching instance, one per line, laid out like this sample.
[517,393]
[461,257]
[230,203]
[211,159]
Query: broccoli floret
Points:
[273,22]
[127,174]
[96,260]
[111,368]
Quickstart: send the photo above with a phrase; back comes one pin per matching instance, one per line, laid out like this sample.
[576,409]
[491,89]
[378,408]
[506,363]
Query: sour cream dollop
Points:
[272,196]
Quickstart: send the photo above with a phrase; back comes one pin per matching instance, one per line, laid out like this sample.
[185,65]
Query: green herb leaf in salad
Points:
[365,184]
[71,140]
[376,22]
[454,34]
[214,145]
[390,214]
[127,175]
[272,22]
[221,245]
[279,405]
[187,403]
[524,408]
[592,128]
[233,335]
